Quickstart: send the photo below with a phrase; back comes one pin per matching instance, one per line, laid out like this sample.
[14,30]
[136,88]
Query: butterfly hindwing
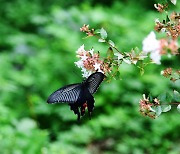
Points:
[67,94]
[93,81]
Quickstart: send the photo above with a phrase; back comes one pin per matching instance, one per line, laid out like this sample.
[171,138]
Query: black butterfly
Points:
[79,96]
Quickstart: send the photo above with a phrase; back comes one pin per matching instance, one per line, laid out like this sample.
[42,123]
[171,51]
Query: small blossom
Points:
[162,72]
[160,7]
[158,26]
[97,66]
[91,52]
[167,72]
[163,46]
[163,30]
[86,73]
[173,46]
[157,20]
[80,50]
[84,28]
[170,45]
[119,56]
[84,57]
[156,102]
[79,64]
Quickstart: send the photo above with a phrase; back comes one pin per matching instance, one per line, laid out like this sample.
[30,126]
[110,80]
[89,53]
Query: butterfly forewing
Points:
[67,94]
[93,81]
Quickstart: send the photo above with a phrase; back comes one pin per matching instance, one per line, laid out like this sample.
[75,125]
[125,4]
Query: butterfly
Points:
[79,96]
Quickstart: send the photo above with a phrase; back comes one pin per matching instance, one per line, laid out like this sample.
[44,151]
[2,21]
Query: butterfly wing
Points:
[93,81]
[67,94]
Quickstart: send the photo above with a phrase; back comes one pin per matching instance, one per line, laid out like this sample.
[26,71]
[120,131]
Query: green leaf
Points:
[117,75]
[174,1]
[178,108]
[97,31]
[111,43]
[162,97]
[150,97]
[141,70]
[158,111]
[168,97]
[167,19]
[165,108]
[165,97]
[103,33]
[110,53]
[136,50]
[176,96]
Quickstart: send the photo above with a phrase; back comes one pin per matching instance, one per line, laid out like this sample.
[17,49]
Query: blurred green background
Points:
[38,40]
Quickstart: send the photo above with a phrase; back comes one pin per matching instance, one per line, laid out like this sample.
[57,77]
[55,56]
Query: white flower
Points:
[157,20]
[162,72]
[163,30]
[120,56]
[91,52]
[79,64]
[156,57]
[86,73]
[97,66]
[84,57]
[150,43]
[81,49]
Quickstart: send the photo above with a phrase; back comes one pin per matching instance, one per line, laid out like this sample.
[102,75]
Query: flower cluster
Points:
[90,62]
[167,72]
[146,107]
[156,48]
[171,26]
[85,28]
[172,74]
[168,45]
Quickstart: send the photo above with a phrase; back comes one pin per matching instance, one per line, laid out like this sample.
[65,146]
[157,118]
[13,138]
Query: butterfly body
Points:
[79,96]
